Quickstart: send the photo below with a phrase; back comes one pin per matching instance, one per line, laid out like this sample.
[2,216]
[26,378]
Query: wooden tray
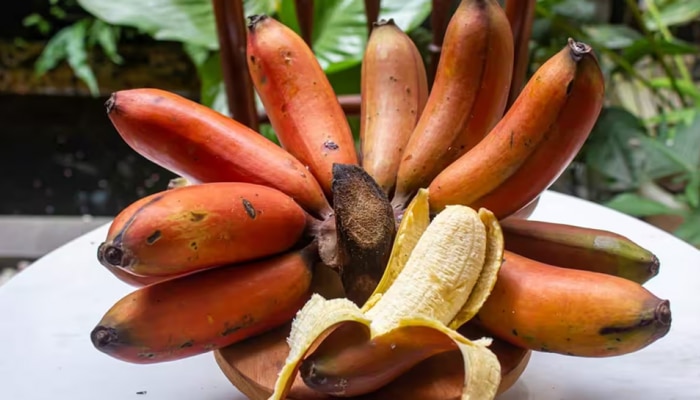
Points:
[252,366]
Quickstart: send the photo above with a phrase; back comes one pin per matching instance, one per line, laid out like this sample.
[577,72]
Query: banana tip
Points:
[383,22]
[111,103]
[654,266]
[109,254]
[662,314]
[103,336]
[254,20]
[320,382]
[578,49]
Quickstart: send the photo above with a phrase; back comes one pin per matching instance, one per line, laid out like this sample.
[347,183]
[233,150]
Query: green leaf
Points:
[672,13]
[267,131]
[576,9]
[346,81]
[686,88]
[77,55]
[198,54]
[689,230]
[36,20]
[57,12]
[287,14]
[55,51]
[692,190]
[643,47]
[190,21]
[213,90]
[422,37]
[69,44]
[407,14]
[612,148]
[257,7]
[683,115]
[107,36]
[675,155]
[340,33]
[612,36]
[340,27]
[638,206]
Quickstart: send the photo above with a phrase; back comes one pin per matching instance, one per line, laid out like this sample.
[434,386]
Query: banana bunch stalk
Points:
[402,269]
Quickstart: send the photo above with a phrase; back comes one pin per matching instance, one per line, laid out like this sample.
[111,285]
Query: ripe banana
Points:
[526,126]
[562,142]
[346,358]
[467,98]
[202,145]
[298,98]
[567,311]
[194,227]
[394,89]
[206,310]
[416,308]
[580,248]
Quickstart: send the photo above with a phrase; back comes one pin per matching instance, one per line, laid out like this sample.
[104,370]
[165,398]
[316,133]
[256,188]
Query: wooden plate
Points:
[252,366]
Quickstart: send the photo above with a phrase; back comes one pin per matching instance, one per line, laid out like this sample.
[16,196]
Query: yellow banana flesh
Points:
[438,276]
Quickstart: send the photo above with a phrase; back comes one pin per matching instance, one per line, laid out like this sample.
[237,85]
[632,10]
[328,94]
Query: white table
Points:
[48,310]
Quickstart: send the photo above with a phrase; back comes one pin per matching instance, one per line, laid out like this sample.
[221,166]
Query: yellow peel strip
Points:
[482,371]
[316,317]
[415,221]
[489,272]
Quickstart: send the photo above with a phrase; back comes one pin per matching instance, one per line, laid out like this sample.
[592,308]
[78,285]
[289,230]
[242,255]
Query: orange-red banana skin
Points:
[200,226]
[394,90]
[206,310]
[514,139]
[467,98]
[298,98]
[580,313]
[559,147]
[582,248]
[347,364]
[203,145]
[347,361]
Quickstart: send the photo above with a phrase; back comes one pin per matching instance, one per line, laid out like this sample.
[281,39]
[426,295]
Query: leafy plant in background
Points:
[338,39]
[74,42]
[642,158]
[339,34]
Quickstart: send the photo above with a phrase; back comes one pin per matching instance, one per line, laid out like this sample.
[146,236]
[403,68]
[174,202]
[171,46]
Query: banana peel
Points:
[437,277]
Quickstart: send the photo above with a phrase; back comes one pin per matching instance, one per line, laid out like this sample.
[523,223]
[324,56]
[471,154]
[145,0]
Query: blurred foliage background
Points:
[643,157]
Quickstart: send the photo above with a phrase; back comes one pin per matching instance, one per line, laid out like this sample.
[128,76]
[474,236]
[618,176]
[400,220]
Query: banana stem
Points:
[521,15]
[230,28]
[371,13]
[439,18]
[305,17]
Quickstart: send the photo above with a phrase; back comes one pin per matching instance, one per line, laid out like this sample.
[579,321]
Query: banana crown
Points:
[438,275]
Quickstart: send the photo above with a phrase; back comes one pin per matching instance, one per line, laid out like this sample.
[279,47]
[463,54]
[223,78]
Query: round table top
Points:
[48,310]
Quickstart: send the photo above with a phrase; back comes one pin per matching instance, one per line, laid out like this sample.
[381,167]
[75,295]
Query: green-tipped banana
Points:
[581,248]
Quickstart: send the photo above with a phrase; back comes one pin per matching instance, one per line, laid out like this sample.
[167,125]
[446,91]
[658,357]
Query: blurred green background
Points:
[59,59]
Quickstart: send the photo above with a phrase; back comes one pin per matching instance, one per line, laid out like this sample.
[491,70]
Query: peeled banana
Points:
[434,289]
